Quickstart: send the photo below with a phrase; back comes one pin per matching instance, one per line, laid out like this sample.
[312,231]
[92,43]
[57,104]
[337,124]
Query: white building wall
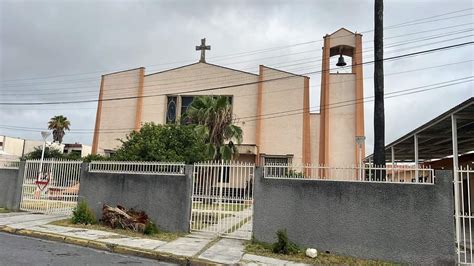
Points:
[30,145]
[86,150]
[12,146]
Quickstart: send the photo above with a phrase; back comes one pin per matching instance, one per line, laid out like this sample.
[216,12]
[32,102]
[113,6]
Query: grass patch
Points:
[3,210]
[264,249]
[164,236]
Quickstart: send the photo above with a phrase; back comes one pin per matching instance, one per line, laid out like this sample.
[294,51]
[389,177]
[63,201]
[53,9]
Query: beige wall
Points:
[341,120]
[279,136]
[86,150]
[342,37]
[283,134]
[118,117]
[202,76]
[315,121]
[12,146]
[30,145]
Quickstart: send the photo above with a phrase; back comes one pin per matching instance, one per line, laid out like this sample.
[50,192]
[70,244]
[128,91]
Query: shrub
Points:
[284,245]
[150,228]
[94,157]
[82,214]
[49,152]
[165,143]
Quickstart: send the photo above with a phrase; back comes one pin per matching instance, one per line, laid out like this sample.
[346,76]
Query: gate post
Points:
[454,131]
[189,174]
[221,178]
[14,204]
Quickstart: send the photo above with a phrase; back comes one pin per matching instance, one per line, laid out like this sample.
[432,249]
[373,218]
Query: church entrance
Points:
[222,199]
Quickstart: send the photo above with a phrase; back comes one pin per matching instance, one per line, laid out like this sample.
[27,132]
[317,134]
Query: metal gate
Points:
[54,189]
[222,198]
[464,205]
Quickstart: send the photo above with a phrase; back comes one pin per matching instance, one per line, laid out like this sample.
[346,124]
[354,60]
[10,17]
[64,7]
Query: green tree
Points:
[48,153]
[59,124]
[213,118]
[173,142]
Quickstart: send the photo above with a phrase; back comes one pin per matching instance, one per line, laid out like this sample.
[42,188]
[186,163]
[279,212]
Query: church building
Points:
[272,107]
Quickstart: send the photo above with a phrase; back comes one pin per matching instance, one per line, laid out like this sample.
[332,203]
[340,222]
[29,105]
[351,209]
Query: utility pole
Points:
[379,109]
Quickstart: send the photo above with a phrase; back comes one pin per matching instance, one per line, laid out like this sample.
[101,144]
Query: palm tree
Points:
[58,124]
[213,118]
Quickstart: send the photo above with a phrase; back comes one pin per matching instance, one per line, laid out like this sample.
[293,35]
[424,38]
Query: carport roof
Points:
[435,137]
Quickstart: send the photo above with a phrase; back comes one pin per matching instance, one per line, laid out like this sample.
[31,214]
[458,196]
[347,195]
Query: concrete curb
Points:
[121,249]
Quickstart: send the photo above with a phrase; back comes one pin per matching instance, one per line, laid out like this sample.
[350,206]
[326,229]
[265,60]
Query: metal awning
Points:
[434,140]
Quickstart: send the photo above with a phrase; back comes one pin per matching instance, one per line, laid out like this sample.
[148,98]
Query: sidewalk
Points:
[197,248]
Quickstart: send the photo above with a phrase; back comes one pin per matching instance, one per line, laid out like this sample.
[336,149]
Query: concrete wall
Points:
[86,150]
[282,135]
[342,37]
[315,124]
[10,187]
[30,145]
[166,199]
[13,146]
[342,120]
[395,222]
[118,114]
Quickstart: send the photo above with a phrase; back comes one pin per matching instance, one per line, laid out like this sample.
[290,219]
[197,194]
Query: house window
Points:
[277,166]
[276,160]
[171,109]
[185,103]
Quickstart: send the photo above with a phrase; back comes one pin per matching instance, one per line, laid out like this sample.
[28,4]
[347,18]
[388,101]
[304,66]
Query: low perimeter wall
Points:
[396,222]
[165,198]
[10,187]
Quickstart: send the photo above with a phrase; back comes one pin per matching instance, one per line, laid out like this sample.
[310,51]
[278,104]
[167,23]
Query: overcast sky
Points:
[57,50]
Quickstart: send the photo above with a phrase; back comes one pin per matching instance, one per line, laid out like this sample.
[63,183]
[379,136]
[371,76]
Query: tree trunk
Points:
[379,110]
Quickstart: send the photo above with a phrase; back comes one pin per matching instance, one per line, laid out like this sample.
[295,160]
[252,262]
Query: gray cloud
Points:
[50,38]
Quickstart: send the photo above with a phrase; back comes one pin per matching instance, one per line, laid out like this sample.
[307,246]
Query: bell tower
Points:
[342,100]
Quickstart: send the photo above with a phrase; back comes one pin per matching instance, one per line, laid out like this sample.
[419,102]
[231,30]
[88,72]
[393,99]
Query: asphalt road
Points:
[20,250]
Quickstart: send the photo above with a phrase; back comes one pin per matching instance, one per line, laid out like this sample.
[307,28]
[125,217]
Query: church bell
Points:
[340,61]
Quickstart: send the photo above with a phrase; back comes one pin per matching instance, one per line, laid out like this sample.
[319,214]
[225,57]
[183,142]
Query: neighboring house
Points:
[30,146]
[13,148]
[272,107]
[77,148]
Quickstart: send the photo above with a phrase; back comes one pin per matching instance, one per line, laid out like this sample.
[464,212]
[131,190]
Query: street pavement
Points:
[29,251]
[22,250]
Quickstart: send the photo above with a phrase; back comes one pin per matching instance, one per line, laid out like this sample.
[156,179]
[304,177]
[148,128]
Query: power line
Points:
[353,102]
[149,84]
[194,83]
[277,91]
[236,85]
[340,104]
[404,24]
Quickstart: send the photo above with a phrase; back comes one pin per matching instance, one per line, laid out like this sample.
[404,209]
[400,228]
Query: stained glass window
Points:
[171,110]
